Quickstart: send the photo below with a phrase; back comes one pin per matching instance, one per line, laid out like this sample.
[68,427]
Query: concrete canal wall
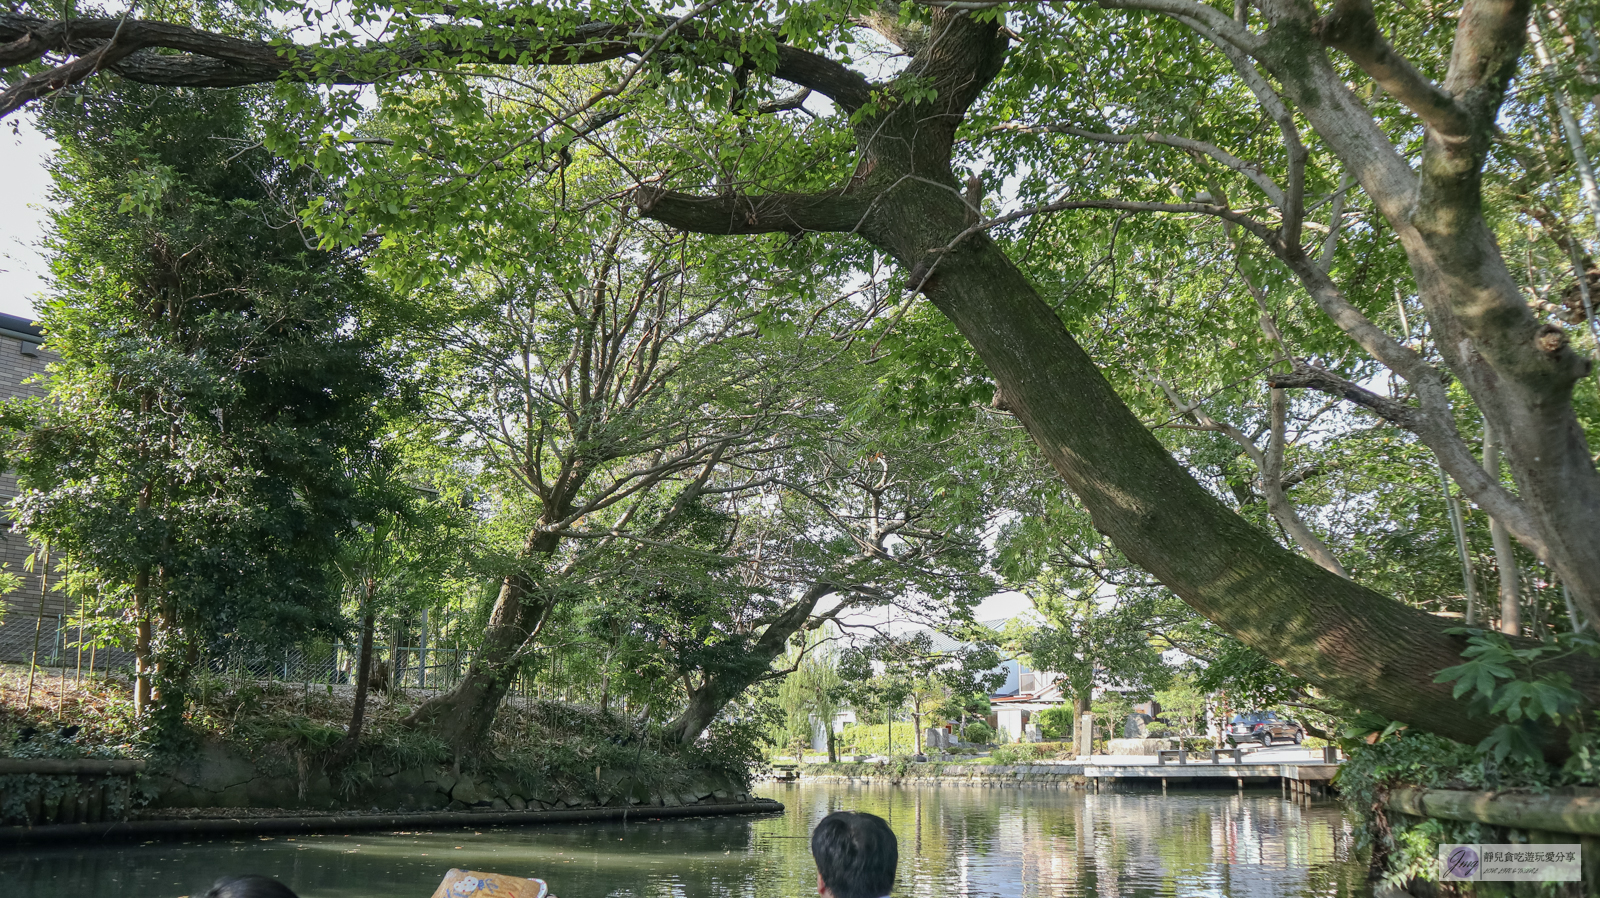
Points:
[1301,779]
[1046,776]
[50,790]
[35,792]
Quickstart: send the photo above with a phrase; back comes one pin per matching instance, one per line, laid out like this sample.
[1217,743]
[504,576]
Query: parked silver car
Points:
[1264,727]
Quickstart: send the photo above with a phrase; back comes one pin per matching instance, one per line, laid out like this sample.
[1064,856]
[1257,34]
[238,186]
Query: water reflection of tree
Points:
[966,842]
[1006,843]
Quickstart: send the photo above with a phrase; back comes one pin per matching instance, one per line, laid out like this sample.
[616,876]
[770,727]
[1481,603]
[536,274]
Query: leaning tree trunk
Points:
[1346,639]
[463,716]
[717,689]
[1351,641]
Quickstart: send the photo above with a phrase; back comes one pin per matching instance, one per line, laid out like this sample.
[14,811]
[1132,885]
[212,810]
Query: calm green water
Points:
[984,843]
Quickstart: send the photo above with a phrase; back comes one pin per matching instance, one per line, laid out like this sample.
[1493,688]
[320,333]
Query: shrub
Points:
[978,733]
[873,739]
[1017,754]
[1054,723]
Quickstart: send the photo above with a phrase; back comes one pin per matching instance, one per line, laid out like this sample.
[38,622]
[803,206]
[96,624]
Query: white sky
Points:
[23,187]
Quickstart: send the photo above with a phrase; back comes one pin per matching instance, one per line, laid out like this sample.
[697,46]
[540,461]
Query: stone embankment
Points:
[220,777]
[51,790]
[221,826]
[223,788]
[1059,775]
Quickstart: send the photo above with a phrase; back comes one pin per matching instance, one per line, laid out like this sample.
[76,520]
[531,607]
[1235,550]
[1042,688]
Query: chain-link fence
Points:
[55,640]
[409,667]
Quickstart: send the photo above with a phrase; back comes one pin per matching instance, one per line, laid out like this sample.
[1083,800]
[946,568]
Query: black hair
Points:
[251,886]
[856,854]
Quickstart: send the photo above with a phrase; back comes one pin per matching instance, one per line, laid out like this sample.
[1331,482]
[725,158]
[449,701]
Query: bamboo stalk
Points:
[1459,528]
[1569,122]
[38,621]
[1576,812]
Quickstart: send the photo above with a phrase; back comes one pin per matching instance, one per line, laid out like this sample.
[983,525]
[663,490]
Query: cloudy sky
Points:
[23,184]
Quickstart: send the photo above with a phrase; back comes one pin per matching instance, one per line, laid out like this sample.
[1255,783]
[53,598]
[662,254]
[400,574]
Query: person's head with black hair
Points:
[249,887]
[856,855]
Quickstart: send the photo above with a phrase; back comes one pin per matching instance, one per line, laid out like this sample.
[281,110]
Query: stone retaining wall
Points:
[44,791]
[143,830]
[220,777]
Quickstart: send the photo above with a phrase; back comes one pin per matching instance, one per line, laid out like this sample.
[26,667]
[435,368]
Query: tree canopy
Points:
[1247,279]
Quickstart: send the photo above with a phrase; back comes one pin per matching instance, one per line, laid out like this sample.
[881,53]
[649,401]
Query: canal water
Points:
[954,841]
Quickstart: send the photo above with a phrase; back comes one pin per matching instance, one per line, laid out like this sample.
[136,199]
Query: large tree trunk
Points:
[704,703]
[1519,371]
[1354,643]
[716,690]
[463,716]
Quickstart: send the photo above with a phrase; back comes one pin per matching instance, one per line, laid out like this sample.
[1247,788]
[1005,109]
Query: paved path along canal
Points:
[955,841]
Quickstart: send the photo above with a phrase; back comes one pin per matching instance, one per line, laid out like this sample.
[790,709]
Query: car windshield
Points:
[1252,717]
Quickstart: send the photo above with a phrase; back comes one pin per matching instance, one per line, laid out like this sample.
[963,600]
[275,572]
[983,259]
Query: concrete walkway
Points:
[1285,754]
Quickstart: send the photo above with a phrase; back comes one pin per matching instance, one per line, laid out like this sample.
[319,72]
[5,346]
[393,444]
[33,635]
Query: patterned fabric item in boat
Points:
[472,884]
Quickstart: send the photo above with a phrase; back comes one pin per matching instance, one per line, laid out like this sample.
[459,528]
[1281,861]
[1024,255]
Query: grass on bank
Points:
[544,745]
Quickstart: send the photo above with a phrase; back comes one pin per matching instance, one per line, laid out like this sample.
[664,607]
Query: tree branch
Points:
[1443,439]
[844,86]
[1251,170]
[1222,212]
[62,76]
[792,101]
[1352,29]
[1306,376]
[208,59]
[1217,21]
[785,213]
[1272,104]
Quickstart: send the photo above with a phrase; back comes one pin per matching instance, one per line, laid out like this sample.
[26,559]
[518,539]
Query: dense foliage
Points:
[1234,337]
